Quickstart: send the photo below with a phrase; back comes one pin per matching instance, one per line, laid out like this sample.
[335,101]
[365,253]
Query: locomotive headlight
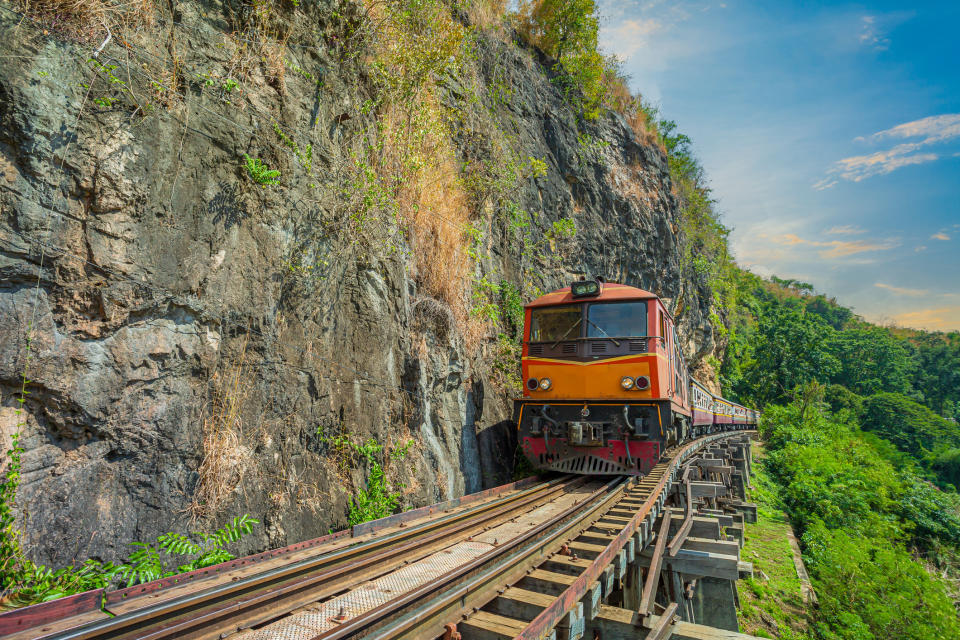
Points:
[642,382]
[626,382]
[545,384]
[532,384]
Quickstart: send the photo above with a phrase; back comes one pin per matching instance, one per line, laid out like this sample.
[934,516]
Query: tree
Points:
[790,348]
[937,374]
[909,425]
[871,360]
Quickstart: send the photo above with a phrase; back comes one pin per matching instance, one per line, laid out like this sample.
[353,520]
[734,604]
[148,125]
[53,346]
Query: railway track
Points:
[530,560]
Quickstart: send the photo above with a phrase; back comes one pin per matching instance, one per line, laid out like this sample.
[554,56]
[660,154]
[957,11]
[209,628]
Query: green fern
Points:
[36,583]
[260,173]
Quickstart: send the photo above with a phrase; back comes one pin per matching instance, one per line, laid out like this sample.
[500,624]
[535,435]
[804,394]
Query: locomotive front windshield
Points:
[552,324]
[617,320]
[603,320]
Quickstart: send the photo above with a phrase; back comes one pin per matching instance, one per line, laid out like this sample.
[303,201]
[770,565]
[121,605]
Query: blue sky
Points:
[830,132]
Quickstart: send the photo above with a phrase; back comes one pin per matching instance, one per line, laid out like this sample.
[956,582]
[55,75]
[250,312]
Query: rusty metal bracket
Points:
[450,631]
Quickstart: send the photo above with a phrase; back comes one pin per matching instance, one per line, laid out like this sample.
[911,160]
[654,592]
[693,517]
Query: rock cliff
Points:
[204,343]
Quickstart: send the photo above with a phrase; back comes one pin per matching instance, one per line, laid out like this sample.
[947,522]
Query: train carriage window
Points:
[552,324]
[617,320]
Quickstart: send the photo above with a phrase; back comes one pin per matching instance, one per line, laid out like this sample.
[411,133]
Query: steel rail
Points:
[267,595]
[470,586]
[540,626]
[421,614]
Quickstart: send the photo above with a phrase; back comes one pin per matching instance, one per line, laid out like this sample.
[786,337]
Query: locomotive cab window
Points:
[552,324]
[617,320]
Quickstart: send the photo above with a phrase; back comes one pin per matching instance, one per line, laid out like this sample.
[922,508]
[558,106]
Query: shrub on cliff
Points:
[566,30]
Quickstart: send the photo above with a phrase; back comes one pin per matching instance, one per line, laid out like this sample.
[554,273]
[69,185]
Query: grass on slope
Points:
[771,605]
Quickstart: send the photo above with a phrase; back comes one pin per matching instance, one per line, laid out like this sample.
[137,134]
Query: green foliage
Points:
[871,359]
[566,30]
[34,583]
[305,157]
[377,500]
[936,377]
[562,228]
[869,589]
[855,511]
[260,173]
[788,349]
[909,425]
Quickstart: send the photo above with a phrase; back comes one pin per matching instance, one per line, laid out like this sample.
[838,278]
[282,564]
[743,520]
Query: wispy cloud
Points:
[845,230]
[940,236]
[630,36]
[871,34]
[937,319]
[837,248]
[903,291]
[930,131]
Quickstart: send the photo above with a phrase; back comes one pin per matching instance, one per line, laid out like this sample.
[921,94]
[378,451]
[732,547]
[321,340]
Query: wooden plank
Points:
[725,547]
[565,564]
[614,623]
[519,603]
[699,563]
[543,581]
[585,549]
[707,489]
[484,625]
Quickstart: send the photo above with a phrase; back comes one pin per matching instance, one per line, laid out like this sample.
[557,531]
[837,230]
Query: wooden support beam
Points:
[653,574]
[661,627]
[677,541]
[699,563]
[707,489]
[607,582]
[614,623]
[723,547]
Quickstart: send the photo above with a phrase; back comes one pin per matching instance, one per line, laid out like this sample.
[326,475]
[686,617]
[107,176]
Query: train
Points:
[606,388]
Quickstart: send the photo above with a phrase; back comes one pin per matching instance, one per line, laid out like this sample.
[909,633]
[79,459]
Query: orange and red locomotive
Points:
[606,388]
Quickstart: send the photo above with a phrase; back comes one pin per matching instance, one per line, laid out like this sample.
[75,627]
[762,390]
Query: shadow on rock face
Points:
[225,207]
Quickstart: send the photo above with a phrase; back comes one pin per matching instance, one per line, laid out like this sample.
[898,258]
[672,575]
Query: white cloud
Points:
[930,131]
[902,291]
[832,249]
[846,229]
[940,236]
[630,36]
[871,35]
[937,319]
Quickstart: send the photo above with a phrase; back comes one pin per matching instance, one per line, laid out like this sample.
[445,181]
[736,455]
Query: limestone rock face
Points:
[184,367]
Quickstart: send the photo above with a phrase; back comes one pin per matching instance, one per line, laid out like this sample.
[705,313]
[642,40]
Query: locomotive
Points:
[606,389]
